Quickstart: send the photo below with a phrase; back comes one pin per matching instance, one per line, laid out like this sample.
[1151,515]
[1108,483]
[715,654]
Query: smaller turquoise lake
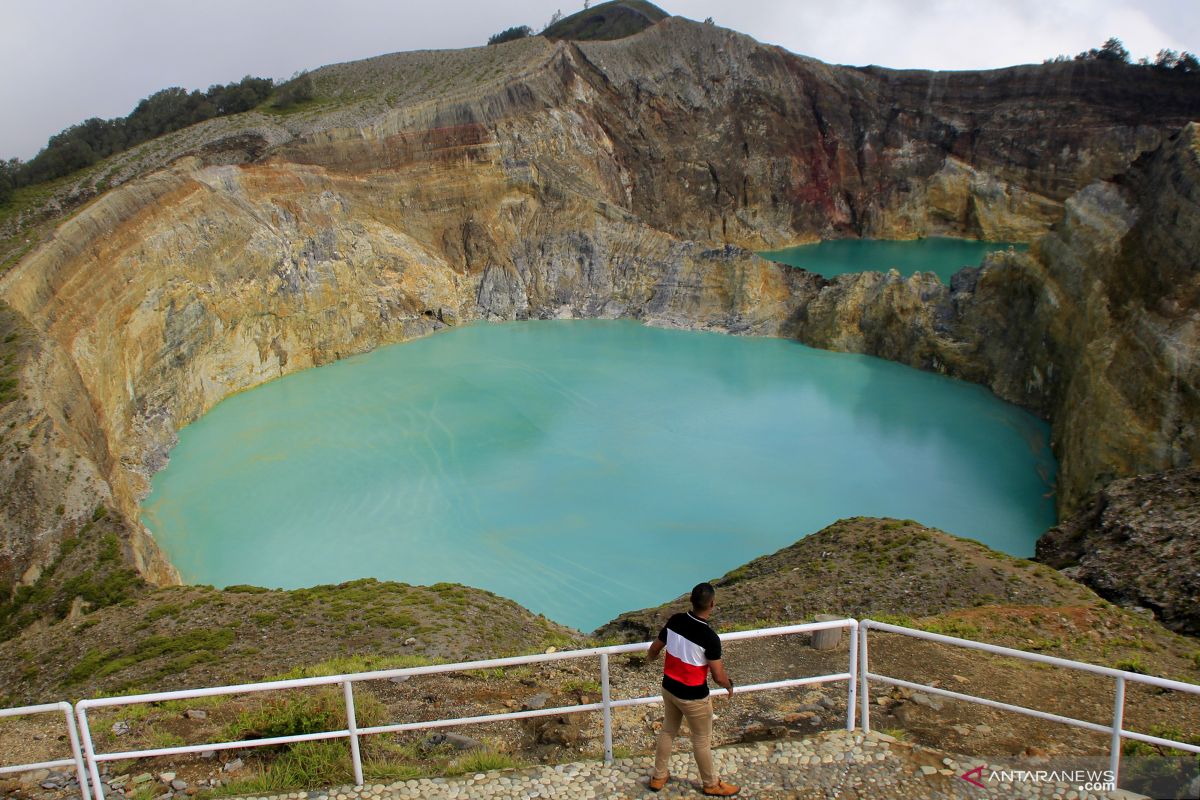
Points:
[941,255]
[584,468]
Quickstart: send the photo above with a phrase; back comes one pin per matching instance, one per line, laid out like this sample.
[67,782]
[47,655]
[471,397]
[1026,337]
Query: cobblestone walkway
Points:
[830,765]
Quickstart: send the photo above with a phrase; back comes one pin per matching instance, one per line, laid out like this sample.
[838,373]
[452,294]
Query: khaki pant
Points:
[699,714]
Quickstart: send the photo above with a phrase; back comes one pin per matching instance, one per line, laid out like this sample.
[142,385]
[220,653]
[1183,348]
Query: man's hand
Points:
[721,676]
[655,648]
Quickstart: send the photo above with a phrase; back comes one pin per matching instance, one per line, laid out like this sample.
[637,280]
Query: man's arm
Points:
[721,676]
[655,648]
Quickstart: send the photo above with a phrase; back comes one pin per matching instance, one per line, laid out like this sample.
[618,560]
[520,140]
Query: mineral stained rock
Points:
[616,179]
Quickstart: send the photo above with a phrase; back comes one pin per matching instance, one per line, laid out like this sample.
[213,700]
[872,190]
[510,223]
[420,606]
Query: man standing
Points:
[693,648]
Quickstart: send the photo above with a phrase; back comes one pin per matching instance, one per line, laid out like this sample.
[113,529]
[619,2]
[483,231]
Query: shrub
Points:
[290,716]
[511,34]
[1134,664]
[296,91]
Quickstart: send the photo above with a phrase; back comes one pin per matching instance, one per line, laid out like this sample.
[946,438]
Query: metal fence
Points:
[72,735]
[1116,730]
[87,759]
[353,733]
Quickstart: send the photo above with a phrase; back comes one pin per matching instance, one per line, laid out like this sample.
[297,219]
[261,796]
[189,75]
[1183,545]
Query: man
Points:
[693,649]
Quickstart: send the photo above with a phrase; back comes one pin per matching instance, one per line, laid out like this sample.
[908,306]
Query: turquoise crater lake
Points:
[940,255]
[584,468]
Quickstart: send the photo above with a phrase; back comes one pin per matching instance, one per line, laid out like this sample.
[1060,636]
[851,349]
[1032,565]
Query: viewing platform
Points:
[833,764]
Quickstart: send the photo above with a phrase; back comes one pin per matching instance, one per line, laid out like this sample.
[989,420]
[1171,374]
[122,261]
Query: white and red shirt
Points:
[690,645]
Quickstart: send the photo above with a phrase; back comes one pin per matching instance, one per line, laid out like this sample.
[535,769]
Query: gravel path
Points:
[830,765]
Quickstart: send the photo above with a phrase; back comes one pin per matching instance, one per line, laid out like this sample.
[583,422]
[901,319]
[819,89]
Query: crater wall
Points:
[626,179]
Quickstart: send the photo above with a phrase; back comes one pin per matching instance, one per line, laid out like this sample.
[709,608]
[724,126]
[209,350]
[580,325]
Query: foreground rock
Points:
[1137,543]
[868,566]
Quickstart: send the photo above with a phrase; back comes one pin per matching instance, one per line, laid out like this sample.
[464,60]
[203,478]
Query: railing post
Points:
[1114,758]
[76,753]
[863,692]
[606,711]
[89,752]
[352,726]
[853,691]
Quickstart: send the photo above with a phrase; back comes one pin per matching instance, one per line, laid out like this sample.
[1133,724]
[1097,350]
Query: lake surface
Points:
[584,468]
[938,254]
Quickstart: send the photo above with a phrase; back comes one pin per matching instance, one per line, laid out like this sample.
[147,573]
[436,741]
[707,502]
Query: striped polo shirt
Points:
[690,645]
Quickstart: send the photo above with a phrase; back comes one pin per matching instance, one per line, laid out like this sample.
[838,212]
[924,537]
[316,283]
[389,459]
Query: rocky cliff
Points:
[618,179]
[1096,328]
[1135,543]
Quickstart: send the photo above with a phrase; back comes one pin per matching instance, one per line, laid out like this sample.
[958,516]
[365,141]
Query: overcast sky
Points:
[63,61]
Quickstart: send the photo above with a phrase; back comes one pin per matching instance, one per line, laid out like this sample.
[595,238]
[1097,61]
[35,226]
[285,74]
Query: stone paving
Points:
[830,765]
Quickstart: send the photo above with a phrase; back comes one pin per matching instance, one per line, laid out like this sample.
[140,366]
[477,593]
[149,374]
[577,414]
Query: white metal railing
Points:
[353,733]
[1116,730]
[72,734]
[87,760]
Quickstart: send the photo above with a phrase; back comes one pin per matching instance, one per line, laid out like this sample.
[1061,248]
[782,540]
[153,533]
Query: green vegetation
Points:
[240,588]
[1133,664]
[189,648]
[303,766]
[310,764]
[291,716]
[297,91]
[92,140]
[1114,51]
[346,665]
[105,582]
[585,686]
[510,34]
[482,761]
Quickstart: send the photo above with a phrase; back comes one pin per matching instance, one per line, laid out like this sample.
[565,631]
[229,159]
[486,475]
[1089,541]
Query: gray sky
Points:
[64,61]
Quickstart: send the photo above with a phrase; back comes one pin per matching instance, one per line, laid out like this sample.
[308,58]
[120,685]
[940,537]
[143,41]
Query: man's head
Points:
[703,595]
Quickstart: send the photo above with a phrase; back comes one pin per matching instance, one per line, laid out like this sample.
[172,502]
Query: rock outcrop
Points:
[1137,542]
[624,178]
[1096,328]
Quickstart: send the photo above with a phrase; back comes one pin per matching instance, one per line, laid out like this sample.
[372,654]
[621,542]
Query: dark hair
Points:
[702,596]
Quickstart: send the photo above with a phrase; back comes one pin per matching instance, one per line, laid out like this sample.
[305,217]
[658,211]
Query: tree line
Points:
[1114,50]
[168,110]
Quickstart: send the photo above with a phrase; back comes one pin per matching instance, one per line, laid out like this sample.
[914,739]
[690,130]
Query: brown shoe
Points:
[656,784]
[722,789]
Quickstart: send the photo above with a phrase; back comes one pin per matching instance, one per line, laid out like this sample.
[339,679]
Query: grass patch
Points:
[304,766]
[165,610]
[190,648]
[483,760]
[1134,664]
[242,588]
[348,665]
[585,686]
[290,716]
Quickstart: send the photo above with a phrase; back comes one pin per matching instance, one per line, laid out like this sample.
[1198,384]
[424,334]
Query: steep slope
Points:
[1096,328]
[539,179]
